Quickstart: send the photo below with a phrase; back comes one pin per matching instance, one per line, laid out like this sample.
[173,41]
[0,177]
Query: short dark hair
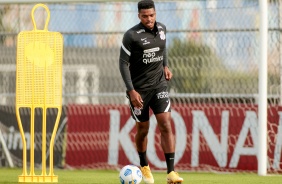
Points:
[145,4]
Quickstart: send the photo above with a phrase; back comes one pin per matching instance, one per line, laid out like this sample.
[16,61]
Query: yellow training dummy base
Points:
[39,85]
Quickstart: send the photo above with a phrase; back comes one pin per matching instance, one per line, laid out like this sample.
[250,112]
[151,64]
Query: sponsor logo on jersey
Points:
[145,41]
[163,94]
[162,35]
[140,31]
[152,50]
[149,55]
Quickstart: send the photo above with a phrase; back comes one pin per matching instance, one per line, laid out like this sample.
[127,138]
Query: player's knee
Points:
[165,127]
[142,132]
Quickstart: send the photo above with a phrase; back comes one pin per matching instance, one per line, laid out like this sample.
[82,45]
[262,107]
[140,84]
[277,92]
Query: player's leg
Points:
[167,138]
[160,104]
[168,146]
[141,140]
[141,116]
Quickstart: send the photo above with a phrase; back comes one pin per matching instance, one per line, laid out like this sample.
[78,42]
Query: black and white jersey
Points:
[144,52]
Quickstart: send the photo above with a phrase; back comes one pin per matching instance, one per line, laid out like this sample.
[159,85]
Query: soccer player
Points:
[144,70]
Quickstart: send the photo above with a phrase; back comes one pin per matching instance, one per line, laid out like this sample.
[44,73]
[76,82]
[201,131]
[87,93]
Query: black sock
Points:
[143,159]
[169,158]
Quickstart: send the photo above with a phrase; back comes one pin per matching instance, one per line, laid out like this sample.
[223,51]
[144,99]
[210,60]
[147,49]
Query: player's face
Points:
[147,17]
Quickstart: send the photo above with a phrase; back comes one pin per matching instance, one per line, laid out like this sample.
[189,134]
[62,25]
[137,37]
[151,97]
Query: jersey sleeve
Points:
[165,60]
[125,73]
[165,63]
[125,50]
[125,53]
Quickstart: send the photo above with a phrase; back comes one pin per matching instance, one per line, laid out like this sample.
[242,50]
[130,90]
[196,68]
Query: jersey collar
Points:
[156,29]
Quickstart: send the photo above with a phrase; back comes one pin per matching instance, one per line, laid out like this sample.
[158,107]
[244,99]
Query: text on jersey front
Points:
[149,55]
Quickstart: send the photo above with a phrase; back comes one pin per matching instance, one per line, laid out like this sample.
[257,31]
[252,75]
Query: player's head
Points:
[145,4]
[147,13]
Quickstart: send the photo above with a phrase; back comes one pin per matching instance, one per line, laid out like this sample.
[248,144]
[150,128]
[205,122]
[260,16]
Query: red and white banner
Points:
[218,137]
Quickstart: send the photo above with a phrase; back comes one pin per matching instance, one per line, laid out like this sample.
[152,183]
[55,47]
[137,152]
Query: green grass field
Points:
[8,176]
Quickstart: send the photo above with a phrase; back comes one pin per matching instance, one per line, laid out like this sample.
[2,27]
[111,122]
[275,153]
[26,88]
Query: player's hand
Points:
[167,72]
[136,99]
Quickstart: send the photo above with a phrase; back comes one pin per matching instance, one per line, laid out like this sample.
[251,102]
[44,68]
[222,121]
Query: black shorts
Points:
[156,99]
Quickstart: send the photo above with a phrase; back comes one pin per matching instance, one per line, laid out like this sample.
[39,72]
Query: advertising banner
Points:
[208,137]
[10,130]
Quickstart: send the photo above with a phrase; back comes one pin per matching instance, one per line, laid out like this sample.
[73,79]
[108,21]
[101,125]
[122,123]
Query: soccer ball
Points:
[130,174]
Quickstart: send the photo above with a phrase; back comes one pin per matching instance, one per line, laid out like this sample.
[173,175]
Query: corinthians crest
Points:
[137,111]
[162,35]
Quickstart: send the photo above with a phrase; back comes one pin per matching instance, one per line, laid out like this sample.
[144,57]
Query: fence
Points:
[213,52]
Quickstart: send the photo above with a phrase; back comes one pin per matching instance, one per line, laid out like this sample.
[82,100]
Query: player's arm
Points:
[125,53]
[167,72]
[125,73]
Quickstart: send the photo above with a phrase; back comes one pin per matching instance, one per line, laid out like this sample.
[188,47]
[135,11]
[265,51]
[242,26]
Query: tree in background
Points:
[192,65]
[197,69]
[2,11]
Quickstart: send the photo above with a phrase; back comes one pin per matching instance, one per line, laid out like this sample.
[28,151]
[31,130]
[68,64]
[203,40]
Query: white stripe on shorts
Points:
[136,119]
[168,106]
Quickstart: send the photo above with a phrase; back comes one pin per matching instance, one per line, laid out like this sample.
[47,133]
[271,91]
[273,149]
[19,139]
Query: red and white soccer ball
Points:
[130,174]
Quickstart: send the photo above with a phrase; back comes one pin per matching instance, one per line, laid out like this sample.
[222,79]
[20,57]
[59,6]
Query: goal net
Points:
[213,52]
